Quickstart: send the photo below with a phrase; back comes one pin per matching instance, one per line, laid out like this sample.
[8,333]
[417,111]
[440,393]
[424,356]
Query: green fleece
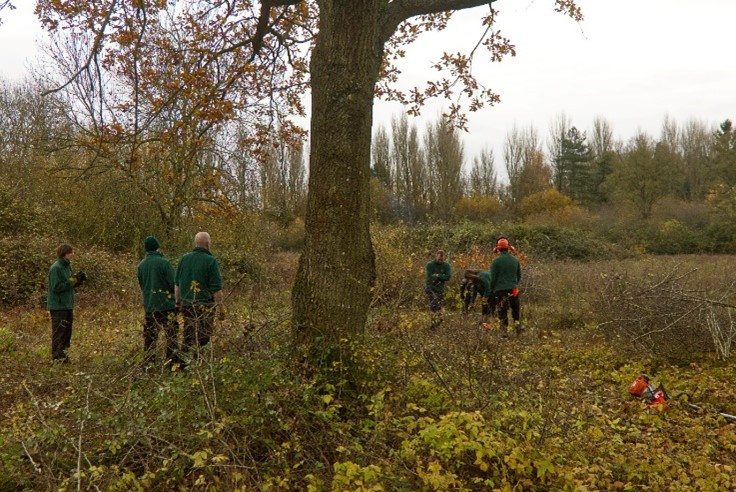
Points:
[156,279]
[505,272]
[437,275]
[198,277]
[61,288]
[483,287]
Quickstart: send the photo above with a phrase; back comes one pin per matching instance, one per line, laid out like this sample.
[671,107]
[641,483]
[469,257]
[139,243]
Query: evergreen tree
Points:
[573,173]
[724,153]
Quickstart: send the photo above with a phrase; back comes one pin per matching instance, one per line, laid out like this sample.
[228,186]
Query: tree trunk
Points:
[332,290]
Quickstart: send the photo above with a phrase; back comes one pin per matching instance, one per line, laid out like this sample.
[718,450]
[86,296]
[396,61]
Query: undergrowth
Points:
[457,408]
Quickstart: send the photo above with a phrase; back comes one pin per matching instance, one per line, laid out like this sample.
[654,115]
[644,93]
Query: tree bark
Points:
[332,290]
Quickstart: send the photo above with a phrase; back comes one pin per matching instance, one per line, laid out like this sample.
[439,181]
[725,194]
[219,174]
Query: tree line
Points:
[419,177]
[416,175]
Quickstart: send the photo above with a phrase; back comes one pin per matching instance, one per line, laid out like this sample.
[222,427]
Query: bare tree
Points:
[444,154]
[483,180]
[381,157]
[411,173]
[521,148]
[696,140]
[601,138]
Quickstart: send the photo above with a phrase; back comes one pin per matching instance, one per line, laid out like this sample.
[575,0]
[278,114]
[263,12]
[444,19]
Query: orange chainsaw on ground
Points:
[642,387]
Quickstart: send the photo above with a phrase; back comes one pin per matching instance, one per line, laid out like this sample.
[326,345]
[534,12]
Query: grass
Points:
[453,409]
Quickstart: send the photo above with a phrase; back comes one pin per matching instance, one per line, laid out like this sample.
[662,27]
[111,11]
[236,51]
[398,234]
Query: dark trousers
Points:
[199,321]
[153,324]
[436,300]
[488,305]
[61,332]
[504,301]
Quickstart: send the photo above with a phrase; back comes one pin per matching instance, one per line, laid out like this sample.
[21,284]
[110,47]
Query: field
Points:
[457,408]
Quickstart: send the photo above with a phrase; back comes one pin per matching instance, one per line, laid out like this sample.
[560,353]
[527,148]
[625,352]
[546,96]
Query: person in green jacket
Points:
[156,280]
[477,283]
[505,278]
[198,289]
[60,301]
[438,271]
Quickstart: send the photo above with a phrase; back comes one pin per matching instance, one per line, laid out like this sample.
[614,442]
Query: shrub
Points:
[674,237]
[481,208]
[548,202]
[561,243]
[399,269]
[675,308]
[24,263]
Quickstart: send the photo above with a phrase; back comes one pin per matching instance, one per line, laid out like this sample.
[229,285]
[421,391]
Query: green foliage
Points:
[110,276]
[399,270]
[721,229]
[555,242]
[674,237]
[104,210]
[25,247]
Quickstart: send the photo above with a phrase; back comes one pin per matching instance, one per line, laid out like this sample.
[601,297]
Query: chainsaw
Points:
[642,387]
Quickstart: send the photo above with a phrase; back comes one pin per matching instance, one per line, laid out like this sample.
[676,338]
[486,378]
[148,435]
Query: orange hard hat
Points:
[503,243]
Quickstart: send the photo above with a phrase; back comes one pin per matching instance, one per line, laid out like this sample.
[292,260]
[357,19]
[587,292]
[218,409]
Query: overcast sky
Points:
[630,61]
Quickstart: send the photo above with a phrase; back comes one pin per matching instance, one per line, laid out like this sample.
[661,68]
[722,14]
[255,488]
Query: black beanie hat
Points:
[151,243]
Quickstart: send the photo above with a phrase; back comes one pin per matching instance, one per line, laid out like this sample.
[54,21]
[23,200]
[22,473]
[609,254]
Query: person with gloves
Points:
[438,271]
[60,301]
[477,283]
[505,278]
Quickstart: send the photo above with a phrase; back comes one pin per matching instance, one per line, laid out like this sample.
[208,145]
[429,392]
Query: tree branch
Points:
[94,50]
[402,10]
[262,27]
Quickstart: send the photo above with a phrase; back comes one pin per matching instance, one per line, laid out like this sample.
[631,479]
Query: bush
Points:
[674,237]
[479,208]
[549,202]
[671,307]
[24,263]
[399,269]
[561,243]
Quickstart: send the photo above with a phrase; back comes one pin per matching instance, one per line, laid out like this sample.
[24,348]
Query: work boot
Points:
[520,328]
[504,330]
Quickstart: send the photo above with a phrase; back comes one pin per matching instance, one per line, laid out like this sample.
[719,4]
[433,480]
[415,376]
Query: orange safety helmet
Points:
[503,243]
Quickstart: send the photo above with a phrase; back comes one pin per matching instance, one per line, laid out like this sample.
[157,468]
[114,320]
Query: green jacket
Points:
[437,275]
[505,272]
[198,277]
[482,288]
[61,288]
[156,279]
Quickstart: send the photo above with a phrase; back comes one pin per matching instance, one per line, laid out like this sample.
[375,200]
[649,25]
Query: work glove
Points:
[78,278]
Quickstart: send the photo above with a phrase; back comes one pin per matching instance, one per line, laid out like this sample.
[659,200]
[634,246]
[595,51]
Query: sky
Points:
[632,62]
